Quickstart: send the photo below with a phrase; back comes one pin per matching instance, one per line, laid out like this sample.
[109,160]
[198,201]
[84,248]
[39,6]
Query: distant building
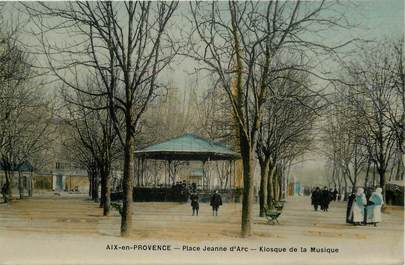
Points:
[59,171]
[22,178]
[62,179]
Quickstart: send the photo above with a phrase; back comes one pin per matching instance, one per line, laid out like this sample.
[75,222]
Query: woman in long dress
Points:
[374,207]
[357,211]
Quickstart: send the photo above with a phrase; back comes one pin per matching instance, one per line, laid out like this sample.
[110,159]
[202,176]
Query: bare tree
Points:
[93,130]
[236,42]
[285,133]
[344,142]
[168,116]
[371,78]
[24,112]
[81,157]
[397,109]
[126,43]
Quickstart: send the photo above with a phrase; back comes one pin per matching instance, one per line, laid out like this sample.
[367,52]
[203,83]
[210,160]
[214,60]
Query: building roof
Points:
[23,167]
[187,147]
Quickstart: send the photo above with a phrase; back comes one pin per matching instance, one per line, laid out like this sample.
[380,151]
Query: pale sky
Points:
[375,20]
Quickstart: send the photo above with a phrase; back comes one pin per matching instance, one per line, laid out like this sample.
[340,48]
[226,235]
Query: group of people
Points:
[215,202]
[360,209]
[323,198]
[363,211]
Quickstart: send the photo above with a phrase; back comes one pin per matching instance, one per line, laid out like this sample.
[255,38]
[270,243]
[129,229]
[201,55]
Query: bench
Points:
[272,215]
[274,211]
[117,206]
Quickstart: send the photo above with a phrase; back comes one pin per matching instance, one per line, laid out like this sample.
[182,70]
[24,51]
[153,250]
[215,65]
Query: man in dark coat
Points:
[325,199]
[193,187]
[316,198]
[349,217]
[195,205]
[335,193]
[216,201]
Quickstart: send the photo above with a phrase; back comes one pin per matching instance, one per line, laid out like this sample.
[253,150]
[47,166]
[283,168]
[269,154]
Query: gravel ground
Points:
[70,229]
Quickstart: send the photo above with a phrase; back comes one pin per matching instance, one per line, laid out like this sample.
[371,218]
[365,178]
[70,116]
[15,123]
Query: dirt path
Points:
[75,225]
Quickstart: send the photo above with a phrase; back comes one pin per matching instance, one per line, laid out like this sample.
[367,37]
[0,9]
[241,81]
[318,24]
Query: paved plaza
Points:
[71,229]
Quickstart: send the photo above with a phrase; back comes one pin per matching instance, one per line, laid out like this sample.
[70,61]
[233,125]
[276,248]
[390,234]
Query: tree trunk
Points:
[30,188]
[20,187]
[381,173]
[95,189]
[275,183]
[353,187]
[126,216]
[10,185]
[90,183]
[228,174]
[95,185]
[374,175]
[103,187]
[247,153]
[270,193]
[107,194]
[345,181]
[339,181]
[367,174]
[8,192]
[280,186]
[264,169]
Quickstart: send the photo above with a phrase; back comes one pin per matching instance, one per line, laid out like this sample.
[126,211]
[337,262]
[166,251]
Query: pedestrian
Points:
[195,205]
[374,207]
[193,187]
[216,201]
[316,198]
[349,216]
[335,193]
[325,199]
[357,211]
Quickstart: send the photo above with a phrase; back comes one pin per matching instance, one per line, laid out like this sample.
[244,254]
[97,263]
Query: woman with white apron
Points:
[357,211]
[374,207]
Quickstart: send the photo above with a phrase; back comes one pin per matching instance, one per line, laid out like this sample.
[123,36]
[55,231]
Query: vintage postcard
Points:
[212,132]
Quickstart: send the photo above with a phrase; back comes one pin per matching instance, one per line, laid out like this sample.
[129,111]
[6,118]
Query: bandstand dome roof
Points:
[187,147]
